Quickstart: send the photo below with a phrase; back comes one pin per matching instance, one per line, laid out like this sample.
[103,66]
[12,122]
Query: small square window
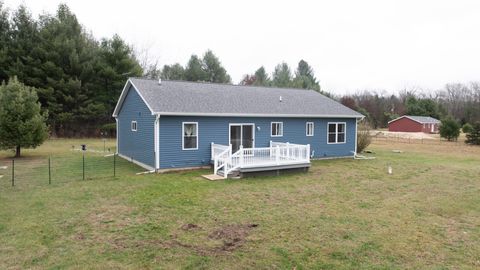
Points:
[134,125]
[277,129]
[309,128]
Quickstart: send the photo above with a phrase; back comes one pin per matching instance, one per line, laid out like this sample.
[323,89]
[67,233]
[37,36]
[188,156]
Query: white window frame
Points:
[336,132]
[281,129]
[306,129]
[183,135]
[132,126]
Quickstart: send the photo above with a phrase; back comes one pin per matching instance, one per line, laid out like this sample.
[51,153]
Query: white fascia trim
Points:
[121,99]
[143,165]
[259,115]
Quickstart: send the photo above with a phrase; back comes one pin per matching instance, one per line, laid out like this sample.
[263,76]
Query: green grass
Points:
[343,214]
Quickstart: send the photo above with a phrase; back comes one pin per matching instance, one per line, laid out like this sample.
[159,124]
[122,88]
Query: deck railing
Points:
[275,155]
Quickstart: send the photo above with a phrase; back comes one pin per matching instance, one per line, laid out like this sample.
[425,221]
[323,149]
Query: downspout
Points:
[157,141]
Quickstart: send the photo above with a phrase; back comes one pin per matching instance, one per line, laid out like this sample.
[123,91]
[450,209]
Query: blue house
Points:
[164,125]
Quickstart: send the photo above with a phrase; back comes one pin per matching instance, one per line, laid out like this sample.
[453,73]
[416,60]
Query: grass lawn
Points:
[343,214]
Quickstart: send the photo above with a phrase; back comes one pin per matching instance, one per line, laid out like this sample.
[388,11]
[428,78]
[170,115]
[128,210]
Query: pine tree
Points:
[305,77]
[194,71]
[214,70]
[282,76]
[22,125]
[473,137]
[5,40]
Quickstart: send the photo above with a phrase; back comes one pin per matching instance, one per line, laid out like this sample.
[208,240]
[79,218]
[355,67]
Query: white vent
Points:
[280,99]
[159,81]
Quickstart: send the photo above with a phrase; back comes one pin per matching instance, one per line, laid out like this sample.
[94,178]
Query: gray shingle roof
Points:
[183,98]
[420,119]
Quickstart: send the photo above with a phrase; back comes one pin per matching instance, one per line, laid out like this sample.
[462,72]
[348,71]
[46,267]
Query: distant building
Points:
[408,123]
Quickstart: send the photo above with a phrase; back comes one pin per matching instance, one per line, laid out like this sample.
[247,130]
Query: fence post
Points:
[114,165]
[49,172]
[13,172]
[83,166]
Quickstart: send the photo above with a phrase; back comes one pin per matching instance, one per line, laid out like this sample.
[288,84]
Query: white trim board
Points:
[257,115]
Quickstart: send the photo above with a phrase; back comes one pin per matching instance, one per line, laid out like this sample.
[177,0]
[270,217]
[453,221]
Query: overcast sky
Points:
[352,45]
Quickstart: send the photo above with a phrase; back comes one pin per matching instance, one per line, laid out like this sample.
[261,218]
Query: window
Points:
[190,136]
[336,132]
[277,129]
[309,129]
[134,125]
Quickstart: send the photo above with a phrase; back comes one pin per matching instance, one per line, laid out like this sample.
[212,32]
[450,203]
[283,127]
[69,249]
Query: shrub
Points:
[467,128]
[364,138]
[473,137]
[449,129]
[109,129]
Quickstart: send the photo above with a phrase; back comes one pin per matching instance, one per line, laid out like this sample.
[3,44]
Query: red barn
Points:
[409,123]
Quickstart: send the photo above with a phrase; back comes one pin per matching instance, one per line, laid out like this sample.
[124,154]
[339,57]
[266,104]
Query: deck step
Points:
[232,174]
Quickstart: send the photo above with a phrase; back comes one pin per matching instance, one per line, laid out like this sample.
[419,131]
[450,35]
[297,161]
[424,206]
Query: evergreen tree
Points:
[24,51]
[473,137]
[449,129]
[173,72]
[282,76]
[305,77]
[5,40]
[194,71]
[261,77]
[22,125]
[214,70]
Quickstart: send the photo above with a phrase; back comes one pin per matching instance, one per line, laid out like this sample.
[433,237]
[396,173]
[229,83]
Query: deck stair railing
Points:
[275,155]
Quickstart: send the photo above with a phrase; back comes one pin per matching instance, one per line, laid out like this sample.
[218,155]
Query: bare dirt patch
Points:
[190,226]
[231,237]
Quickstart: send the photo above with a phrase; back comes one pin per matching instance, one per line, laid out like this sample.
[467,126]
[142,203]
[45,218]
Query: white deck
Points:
[276,156]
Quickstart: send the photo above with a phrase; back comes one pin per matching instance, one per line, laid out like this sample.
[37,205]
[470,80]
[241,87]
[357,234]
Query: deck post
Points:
[308,152]
[277,155]
[211,151]
[241,156]
[288,150]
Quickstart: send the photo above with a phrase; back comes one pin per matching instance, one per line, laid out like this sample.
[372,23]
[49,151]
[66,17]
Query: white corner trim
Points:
[156,137]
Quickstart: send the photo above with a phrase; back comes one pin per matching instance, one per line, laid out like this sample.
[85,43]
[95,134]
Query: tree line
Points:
[458,101]
[78,78]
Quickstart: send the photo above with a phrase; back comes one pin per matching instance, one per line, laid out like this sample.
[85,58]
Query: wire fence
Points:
[409,140]
[75,166]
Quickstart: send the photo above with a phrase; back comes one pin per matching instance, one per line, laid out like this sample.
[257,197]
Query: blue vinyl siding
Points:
[138,145]
[216,129]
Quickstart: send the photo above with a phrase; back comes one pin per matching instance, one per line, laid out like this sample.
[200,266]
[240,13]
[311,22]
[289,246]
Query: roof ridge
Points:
[229,84]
